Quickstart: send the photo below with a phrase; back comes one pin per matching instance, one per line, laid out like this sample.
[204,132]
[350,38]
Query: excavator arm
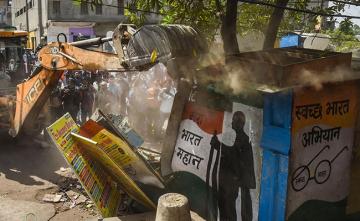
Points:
[136,50]
[56,57]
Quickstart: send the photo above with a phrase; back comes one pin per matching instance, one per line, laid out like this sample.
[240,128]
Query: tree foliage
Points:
[202,15]
[356,29]
[346,27]
[207,15]
[344,37]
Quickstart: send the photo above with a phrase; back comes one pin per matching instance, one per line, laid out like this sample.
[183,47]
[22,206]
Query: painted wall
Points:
[220,146]
[322,143]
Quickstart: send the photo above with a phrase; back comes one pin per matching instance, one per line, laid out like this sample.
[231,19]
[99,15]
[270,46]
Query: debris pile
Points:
[102,154]
[68,194]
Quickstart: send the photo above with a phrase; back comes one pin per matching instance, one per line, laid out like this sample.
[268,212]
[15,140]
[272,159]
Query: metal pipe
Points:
[27,16]
[91,42]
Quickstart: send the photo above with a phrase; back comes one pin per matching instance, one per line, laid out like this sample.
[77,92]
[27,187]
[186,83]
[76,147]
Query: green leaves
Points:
[346,26]
[206,15]
[343,38]
[201,14]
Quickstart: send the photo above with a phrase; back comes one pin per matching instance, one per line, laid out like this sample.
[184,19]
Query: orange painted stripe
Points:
[210,121]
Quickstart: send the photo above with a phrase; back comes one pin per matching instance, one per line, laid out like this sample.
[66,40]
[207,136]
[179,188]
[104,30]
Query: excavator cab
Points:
[12,49]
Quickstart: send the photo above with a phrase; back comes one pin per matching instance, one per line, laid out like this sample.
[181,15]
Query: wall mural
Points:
[322,142]
[222,149]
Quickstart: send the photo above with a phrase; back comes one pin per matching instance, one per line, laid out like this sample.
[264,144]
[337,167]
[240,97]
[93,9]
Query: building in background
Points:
[75,18]
[5,13]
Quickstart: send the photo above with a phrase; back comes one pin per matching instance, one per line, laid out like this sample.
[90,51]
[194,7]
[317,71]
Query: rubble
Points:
[81,199]
[67,195]
[72,195]
[55,198]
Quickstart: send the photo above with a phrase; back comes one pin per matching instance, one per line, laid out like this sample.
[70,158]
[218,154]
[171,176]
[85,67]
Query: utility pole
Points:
[41,28]
[27,15]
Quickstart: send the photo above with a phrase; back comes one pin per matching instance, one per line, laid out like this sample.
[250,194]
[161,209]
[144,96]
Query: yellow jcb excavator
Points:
[137,50]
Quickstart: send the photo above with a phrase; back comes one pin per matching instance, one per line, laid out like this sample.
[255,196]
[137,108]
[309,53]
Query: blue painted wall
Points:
[290,40]
[276,144]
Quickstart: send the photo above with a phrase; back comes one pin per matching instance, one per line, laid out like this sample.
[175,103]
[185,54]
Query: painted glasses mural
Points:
[221,147]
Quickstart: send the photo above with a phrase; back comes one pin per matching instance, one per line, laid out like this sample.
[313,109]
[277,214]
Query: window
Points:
[84,8]
[98,9]
[56,7]
[120,7]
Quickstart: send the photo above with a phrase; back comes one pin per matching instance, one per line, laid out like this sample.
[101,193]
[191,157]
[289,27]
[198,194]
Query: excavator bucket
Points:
[159,43]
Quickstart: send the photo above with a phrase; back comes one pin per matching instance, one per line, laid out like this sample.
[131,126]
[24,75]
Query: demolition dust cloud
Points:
[317,80]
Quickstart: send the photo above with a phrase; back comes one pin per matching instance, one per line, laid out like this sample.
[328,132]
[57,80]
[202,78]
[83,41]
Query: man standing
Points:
[236,171]
[71,99]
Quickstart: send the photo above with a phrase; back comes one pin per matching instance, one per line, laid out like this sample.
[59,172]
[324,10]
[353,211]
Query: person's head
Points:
[112,78]
[103,86]
[238,121]
[77,75]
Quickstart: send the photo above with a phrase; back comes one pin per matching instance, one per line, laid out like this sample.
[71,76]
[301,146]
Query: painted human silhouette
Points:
[236,171]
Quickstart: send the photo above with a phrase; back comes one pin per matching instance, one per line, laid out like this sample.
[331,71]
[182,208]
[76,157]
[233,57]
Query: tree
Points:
[206,16]
[274,24]
[343,37]
[228,29]
[202,15]
[346,26]
[356,29]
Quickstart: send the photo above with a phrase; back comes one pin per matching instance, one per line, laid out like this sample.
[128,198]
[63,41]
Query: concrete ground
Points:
[28,170]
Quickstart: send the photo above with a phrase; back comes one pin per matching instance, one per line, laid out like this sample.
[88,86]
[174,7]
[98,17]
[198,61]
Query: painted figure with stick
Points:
[236,171]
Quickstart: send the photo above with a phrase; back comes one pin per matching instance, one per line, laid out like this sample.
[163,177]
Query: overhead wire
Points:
[298,10]
[324,1]
[346,2]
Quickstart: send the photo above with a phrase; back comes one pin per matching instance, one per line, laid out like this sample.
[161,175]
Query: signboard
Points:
[221,148]
[120,126]
[96,152]
[98,183]
[322,142]
[121,154]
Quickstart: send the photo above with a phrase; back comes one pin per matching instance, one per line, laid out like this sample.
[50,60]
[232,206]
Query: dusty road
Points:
[28,170]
